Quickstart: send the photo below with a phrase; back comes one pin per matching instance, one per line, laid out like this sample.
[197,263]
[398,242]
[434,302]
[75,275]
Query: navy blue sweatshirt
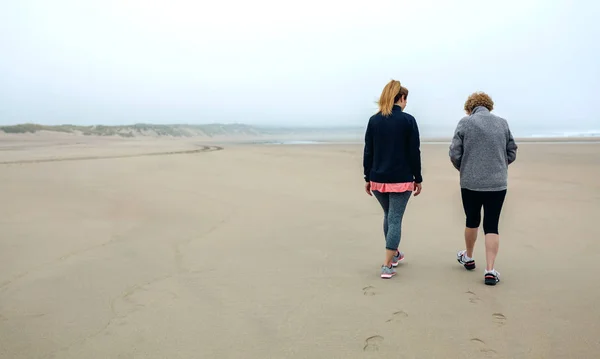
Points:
[392,148]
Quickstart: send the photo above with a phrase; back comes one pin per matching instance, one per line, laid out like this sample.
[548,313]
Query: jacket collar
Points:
[479,109]
[397,108]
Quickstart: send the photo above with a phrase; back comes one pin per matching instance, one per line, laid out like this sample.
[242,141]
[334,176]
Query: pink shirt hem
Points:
[392,187]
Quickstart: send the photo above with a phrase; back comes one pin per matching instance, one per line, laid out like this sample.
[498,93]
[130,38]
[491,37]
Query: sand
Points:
[274,252]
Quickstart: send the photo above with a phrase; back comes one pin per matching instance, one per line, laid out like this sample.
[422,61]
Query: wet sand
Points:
[274,252]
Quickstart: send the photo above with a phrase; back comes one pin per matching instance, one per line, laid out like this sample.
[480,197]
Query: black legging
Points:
[492,206]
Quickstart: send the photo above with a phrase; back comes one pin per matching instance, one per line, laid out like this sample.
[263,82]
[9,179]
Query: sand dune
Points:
[274,252]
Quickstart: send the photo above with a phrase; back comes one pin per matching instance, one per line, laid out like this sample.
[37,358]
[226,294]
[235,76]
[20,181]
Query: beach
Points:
[187,248]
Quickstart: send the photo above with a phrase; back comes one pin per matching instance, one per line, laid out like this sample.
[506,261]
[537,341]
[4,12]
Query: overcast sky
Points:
[304,62]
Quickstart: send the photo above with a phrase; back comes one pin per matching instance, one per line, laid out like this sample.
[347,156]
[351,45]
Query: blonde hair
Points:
[392,93]
[479,99]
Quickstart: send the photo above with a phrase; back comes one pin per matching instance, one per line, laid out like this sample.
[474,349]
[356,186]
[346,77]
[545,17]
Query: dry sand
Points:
[274,252]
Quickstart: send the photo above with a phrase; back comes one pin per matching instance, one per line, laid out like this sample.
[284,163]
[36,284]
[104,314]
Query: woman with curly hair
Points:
[481,149]
[392,166]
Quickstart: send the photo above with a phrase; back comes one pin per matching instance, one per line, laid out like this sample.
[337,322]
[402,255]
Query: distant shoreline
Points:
[248,134]
[181,130]
[424,141]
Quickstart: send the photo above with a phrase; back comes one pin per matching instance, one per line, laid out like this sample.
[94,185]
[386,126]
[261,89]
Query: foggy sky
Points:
[296,63]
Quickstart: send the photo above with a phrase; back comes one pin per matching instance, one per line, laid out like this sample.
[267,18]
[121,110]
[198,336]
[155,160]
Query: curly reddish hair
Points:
[479,99]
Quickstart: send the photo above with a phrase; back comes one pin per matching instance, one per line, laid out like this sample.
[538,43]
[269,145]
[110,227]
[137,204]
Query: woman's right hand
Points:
[368,188]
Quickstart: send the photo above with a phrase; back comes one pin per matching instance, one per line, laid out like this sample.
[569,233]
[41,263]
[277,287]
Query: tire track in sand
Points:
[87,158]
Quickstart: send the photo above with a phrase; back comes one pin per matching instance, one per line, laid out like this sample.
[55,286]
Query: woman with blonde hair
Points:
[392,166]
[482,149]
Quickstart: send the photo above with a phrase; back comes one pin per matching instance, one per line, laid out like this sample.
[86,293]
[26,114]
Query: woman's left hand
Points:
[418,188]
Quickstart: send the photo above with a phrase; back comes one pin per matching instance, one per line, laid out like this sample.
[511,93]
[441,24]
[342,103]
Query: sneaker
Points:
[399,257]
[461,256]
[491,277]
[387,272]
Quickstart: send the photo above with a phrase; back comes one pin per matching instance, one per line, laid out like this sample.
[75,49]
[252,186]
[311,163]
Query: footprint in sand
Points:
[473,298]
[483,347]
[499,318]
[529,246]
[369,291]
[397,316]
[372,343]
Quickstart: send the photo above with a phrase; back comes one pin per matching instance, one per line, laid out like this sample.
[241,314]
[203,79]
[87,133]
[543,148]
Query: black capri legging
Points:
[492,206]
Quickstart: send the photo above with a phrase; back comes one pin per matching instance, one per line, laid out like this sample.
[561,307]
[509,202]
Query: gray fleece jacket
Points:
[482,149]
